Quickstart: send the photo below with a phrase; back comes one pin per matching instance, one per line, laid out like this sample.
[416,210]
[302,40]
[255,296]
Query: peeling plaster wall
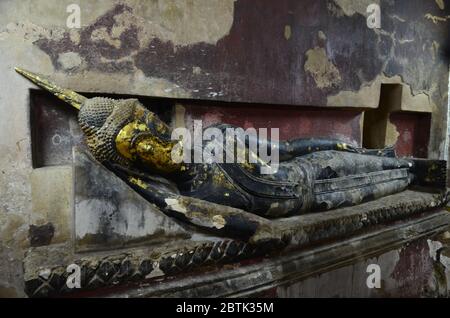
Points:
[414,270]
[323,71]
[316,53]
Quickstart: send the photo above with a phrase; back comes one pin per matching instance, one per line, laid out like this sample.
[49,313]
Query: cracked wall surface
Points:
[314,53]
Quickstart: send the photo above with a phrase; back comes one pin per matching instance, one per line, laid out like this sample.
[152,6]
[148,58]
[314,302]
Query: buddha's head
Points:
[122,131]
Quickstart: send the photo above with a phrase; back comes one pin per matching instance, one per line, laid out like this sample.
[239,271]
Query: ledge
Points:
[251,280]
[416,213]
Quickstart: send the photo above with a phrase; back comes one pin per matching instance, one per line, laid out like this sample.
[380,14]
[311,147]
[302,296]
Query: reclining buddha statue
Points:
[312,175]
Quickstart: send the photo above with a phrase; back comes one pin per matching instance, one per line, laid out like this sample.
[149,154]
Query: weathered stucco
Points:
[154,48]
[350,7]
[323,71]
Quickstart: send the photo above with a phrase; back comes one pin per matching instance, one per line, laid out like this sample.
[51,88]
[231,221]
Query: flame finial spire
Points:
[67,95]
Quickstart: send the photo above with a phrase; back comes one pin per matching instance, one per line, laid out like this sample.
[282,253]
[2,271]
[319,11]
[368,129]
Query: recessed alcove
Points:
[293,121]
[55,130]
[54,125]
[394,123]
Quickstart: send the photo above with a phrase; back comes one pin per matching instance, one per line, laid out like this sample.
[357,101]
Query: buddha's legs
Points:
[334,164]
[345,179]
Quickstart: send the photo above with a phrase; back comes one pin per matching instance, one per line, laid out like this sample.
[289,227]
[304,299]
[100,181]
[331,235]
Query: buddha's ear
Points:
[67,95]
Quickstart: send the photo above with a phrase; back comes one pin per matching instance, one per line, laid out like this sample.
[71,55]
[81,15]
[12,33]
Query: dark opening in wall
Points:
[55,130]
[389,125]
[376,120]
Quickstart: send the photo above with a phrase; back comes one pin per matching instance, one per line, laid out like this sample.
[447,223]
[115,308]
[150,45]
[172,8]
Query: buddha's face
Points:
[127,133]
[147,139]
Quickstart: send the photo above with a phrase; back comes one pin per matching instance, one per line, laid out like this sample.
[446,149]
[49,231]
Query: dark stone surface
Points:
[41,234]
[54,130]
[109,214]
[373,225]
[337,269]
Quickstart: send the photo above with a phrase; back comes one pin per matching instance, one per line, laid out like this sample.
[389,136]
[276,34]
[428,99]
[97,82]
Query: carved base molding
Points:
[419,214]
[262,277]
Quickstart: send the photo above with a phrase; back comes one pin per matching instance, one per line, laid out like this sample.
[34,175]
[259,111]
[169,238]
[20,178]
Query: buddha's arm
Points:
[302,146]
